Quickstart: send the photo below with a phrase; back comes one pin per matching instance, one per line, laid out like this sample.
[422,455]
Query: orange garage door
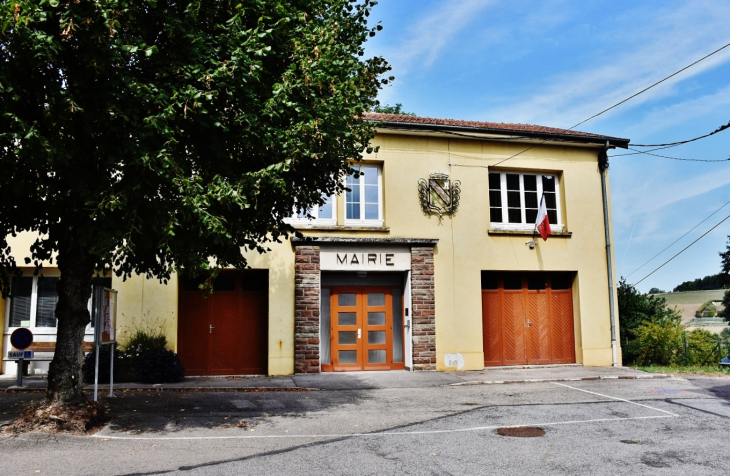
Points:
[527,318]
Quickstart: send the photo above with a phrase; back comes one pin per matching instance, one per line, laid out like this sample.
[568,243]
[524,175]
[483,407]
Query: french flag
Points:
[543,223]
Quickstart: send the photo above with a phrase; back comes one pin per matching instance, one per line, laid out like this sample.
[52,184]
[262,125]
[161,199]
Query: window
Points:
[514,200]
[33,302]
[323,215]
[363,201]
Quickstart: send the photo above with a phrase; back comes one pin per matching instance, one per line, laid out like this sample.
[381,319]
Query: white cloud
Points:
[682,113]
[675,38]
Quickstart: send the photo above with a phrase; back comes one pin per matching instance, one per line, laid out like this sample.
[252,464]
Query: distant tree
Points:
[388,109]
[656,291]
[726,259]
[636,309]
[153,136]
[714,281]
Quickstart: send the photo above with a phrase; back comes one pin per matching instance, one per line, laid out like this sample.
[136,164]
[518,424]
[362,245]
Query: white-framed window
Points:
[325,214]
[364,200]
[33,303]
[514,199]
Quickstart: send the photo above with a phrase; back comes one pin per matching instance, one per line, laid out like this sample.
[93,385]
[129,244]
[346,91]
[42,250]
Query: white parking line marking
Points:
[376,433]
[616,398]
[667,414]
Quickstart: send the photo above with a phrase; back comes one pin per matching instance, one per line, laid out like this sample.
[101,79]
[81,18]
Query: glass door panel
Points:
[361,334]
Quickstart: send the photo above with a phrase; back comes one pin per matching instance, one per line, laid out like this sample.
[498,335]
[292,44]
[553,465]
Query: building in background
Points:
[424,264]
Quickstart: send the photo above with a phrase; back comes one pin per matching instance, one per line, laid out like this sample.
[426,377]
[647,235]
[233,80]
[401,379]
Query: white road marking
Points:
[616,398]
[377,433]
[667,414]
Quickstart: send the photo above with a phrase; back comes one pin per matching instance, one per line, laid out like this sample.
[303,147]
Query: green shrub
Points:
[159,366]
[701,344]
[123,370]
[658,342]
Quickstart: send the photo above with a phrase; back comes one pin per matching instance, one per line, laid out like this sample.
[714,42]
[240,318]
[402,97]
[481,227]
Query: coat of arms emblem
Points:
[439,194]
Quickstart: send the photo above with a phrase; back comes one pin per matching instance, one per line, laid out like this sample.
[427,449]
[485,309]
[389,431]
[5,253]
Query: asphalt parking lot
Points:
[668,426]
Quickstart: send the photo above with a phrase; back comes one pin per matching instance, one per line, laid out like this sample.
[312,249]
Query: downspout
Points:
[603,167]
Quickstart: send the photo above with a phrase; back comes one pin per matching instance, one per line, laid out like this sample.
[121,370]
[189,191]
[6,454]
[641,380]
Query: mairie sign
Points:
[20,354]
[365,258]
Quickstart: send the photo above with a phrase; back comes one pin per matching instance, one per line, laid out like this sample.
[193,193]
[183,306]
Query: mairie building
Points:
[430,261]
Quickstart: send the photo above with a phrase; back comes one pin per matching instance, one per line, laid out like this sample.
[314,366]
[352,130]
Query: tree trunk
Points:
[65,380]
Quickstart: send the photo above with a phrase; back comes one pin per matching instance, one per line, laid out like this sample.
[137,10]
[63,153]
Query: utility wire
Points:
[675,241]
[683,250]
[620,102]
[672,144]
[668,157]
[655,84]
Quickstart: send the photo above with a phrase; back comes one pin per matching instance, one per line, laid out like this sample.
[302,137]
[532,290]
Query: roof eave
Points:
[613,141]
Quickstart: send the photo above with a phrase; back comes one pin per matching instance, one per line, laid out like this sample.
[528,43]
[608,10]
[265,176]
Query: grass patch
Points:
[686,369]
[692,297]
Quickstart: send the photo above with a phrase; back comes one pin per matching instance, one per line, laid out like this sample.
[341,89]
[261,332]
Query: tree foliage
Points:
[637,309]
[725,257]
[150,136]
[656,291]
[388,109]
[714,281]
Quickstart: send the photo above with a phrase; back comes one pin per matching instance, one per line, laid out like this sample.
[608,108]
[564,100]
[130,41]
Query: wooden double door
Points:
[527,318]
[361,333]
[225,333]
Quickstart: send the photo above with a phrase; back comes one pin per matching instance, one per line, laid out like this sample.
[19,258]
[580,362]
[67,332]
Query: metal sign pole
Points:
[95,317]
[111,372]
[19,379]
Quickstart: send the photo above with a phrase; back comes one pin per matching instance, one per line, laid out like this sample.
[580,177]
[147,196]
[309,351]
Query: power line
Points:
[655,84]
[683,250]
[672,144]
[620,102]
[675,241]
[668,157]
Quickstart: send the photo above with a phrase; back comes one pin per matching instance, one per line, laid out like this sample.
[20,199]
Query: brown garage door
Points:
[227,332]
[527,318]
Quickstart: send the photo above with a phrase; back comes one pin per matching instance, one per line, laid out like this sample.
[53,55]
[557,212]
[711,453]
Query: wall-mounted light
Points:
[531,244]
[362,274]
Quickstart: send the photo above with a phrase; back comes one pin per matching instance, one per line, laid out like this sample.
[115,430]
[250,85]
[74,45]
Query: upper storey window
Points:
[325,214]
[364,199]
[514,199]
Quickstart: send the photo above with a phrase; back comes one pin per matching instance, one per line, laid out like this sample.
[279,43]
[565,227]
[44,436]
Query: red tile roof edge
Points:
[485,126]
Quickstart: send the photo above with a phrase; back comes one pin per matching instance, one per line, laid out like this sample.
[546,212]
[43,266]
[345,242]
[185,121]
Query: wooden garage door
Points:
[227,332]
[527,318]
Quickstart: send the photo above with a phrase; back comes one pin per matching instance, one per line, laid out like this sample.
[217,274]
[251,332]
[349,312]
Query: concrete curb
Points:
[104,390]
[563,379]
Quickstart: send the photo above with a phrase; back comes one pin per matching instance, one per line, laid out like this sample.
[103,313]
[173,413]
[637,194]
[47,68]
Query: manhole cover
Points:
[521,431]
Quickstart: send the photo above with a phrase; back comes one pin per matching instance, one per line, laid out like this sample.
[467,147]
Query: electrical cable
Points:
[683,250]
[655,84]
[672,144]
[668,157]
[620,102]
[675,241]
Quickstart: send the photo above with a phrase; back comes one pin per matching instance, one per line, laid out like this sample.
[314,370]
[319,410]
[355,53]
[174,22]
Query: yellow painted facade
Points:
[465,247]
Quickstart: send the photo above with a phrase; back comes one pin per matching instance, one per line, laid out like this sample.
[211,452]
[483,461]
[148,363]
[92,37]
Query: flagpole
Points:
[534,230]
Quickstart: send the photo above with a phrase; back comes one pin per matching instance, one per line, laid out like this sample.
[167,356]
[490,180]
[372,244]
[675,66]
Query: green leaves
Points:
[160,135]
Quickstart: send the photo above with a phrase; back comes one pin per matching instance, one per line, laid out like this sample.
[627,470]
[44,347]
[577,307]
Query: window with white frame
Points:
[514,200]
[364,198]
[325,214]
[33,302]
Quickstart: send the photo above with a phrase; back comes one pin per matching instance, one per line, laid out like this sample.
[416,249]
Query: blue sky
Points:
[555,63]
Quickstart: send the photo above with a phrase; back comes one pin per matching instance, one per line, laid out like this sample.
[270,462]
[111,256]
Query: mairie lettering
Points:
[365,259]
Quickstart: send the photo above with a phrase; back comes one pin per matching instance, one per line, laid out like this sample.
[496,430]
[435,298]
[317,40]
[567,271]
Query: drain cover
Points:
[521,431]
